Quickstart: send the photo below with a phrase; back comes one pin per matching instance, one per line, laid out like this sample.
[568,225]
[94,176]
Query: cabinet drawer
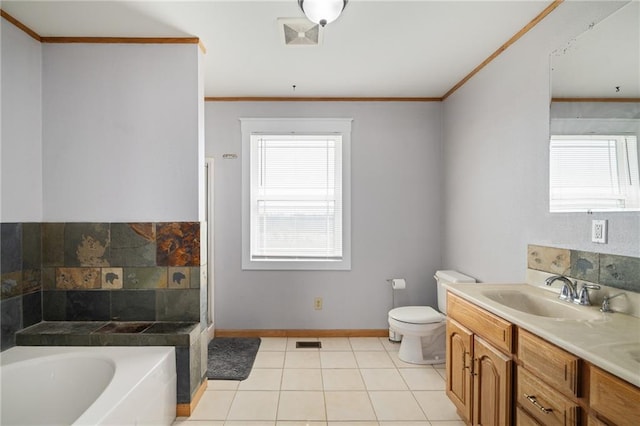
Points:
[613,398]
[592,421]
[491,327]
[524,419]
[545,404]
[555,366]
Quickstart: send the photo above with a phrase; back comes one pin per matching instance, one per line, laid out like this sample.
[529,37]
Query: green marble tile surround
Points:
[100,272]
[621,272]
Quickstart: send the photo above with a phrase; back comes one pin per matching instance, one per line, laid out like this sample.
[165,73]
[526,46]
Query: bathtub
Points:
[42,385]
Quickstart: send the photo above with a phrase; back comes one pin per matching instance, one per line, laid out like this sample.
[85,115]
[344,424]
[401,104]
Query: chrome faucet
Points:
[569,289]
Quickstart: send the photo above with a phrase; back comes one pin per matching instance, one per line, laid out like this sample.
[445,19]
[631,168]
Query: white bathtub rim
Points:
[136,370]
[132,366]
[37,358]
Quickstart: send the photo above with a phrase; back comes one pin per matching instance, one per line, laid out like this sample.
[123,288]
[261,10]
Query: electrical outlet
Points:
[317,303]
[599,231]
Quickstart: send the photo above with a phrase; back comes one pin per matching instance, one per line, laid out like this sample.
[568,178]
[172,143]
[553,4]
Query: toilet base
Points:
[423,349]
[394,337]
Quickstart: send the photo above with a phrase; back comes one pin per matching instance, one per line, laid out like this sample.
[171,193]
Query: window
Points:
[296,194]
[594,173]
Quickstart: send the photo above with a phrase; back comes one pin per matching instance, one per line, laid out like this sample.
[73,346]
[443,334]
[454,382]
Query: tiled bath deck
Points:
[109,333]
[348,382]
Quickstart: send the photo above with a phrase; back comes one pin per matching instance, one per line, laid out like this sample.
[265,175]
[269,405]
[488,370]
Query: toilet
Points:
[423,328]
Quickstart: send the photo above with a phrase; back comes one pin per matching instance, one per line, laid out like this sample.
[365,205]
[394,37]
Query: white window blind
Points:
[296,197]
[593,172]
[296,193]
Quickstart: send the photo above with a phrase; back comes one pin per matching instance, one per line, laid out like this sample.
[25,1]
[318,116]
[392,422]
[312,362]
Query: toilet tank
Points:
[448,277]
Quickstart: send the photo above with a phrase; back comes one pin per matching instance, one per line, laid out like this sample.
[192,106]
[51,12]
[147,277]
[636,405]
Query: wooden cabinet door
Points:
[458,367]
[492,385]
[614,398]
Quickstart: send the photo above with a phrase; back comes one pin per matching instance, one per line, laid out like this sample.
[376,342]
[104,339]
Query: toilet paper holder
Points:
[396,284]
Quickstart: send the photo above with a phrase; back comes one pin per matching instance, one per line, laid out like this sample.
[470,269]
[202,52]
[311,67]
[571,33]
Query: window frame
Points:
[292,126]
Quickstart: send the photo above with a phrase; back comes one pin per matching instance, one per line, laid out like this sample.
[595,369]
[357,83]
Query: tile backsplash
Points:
[100,271]
[621,272]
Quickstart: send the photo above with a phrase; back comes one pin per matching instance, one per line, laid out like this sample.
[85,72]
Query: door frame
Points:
[209,217]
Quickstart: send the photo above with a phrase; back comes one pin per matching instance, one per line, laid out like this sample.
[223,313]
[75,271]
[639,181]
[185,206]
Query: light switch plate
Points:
[599,231]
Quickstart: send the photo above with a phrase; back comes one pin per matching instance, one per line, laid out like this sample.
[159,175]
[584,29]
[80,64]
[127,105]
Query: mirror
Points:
[595,118]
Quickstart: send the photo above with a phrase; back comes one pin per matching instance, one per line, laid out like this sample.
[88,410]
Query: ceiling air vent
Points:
[300,32]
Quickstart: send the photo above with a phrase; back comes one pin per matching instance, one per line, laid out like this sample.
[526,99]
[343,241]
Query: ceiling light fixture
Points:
[322,12]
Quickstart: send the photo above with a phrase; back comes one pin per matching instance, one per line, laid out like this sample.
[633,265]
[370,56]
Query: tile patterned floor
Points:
[348,382]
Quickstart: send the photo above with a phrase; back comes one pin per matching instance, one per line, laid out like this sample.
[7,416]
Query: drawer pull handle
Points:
[533,400]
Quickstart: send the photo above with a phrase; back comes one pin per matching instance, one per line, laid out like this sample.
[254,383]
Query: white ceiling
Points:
[604,61]
[416,48]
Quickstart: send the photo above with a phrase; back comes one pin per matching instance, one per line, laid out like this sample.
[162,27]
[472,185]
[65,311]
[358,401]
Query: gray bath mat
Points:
[231,358]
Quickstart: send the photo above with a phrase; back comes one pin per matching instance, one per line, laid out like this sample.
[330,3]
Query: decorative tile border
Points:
[112,278]
[179,277]
[140,278]
[77,278]
[621,272]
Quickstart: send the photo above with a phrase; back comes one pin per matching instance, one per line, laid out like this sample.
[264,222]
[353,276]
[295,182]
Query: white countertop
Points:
[610,341]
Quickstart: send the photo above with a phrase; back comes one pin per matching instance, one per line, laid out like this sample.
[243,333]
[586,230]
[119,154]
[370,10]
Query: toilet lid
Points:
[416,315]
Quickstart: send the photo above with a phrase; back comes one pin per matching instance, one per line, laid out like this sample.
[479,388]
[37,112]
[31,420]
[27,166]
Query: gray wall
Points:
[21,148]
[495,143]
[120,139]
[395,207]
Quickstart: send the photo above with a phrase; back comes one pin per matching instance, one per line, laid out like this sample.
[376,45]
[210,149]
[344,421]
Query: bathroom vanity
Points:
[479,363]
[506,365]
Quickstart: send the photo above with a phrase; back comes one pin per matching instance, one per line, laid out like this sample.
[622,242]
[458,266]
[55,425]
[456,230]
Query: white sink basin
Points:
[542,306]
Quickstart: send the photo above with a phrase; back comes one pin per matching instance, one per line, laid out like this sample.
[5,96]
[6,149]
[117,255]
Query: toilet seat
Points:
[416,315]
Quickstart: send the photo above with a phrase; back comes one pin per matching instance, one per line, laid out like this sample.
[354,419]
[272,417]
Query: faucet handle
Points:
[569,290]
[583,296]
